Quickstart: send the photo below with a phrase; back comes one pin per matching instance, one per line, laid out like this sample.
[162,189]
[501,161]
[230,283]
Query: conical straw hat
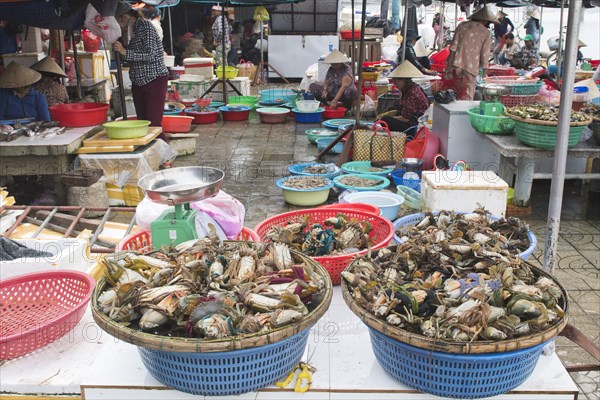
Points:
[534,14]
[406,70]
[581,43]
[17,75]
[336,57]
[48,66]
[484,14]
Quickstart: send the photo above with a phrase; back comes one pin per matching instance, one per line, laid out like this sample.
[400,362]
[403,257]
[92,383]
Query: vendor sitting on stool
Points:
[529,55]
[339,87]
[50,86]
[17,98]
[413,102]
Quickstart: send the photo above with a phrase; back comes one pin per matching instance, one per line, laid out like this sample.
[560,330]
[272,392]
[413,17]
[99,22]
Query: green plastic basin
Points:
[130,129]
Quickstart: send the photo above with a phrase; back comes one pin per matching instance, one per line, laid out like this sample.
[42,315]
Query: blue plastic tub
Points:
[226,373]
[402,224]
[383,183]
[462,376]
[322,143]
[308,117]
[414,184]
[298,169]
[276,95]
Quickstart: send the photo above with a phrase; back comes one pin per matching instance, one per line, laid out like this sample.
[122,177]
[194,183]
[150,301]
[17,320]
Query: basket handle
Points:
[380,125]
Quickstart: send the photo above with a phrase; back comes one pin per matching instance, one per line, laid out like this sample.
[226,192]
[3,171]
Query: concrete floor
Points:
[255,155]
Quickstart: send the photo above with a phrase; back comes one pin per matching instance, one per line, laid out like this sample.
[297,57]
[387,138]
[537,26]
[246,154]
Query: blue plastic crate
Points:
[226,373]
[402,224]
[461,376]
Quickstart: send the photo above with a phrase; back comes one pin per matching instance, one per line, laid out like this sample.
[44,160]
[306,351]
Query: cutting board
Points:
[100,139]
[106,149]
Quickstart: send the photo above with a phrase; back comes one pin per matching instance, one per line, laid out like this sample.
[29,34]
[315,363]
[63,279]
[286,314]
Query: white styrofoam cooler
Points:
[69,253]
[463,191]
[202,66]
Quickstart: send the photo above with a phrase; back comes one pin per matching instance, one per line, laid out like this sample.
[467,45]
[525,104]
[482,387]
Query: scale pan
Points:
[182,185]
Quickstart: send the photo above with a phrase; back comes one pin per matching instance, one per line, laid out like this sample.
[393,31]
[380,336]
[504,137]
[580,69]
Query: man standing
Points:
[501,29]
[220,26]
[470,51]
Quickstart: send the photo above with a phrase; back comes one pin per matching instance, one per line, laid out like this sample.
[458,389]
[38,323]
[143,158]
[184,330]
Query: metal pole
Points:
[404,30]
[353,44]
[440,37]
[225,52]
[361,55]
[75,63]
[121,87]
[562,137]
[170,29]
[560,38]
[263,78]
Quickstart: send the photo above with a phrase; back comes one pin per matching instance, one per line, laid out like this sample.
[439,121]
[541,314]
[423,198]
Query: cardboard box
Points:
[26,59]
[463,191]
[91,65]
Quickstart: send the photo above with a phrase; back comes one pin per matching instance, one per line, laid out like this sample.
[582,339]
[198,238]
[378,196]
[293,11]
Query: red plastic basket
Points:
[39,308]
[382,233]
[500,70]
[330,113]
[347,35]
[141,241]
[444,84]
[513,100]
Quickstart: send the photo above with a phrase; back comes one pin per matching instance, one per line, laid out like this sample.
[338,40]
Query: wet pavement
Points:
[255,155]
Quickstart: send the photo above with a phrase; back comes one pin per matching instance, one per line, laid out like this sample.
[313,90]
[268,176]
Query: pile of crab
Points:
[450,283]
[210,289]
[336,236]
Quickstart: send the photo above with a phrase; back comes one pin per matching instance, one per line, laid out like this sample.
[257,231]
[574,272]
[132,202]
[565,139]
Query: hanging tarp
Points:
[242,3]
[56,14]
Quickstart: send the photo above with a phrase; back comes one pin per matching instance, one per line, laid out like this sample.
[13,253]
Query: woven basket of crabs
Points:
[537,125]
[330,236]
[452,324]
[203,307]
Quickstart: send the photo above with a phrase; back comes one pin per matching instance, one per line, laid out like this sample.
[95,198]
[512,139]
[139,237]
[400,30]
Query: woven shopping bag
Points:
[246,69]
[379,144]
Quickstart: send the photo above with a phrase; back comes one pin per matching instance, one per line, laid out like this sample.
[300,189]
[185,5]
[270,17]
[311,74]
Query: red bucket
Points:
[79,114]
[208,117]
[331,113]
[176,124]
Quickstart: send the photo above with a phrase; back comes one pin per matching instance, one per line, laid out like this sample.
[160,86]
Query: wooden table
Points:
[43,156]
[518,159]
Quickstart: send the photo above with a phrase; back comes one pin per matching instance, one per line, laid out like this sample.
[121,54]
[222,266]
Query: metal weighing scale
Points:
[493,91]
[178,187]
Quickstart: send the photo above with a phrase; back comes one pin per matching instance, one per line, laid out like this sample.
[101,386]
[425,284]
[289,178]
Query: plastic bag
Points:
[222,210]
[105,27]
[226,210]
[261,14]
[368,106]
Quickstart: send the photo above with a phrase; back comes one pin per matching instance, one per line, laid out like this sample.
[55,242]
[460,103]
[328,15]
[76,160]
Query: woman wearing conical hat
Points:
[533,27]
[17,98]
[50,86]
[470,51]
[338,89]
[413,103]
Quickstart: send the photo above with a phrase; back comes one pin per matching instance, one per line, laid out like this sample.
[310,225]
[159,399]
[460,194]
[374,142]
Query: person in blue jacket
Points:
[17,98]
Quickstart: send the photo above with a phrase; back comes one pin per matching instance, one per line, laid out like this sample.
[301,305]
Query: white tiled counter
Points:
[99,367]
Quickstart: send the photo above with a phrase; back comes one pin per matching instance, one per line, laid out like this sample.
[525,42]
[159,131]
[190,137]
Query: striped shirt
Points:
[145,54]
